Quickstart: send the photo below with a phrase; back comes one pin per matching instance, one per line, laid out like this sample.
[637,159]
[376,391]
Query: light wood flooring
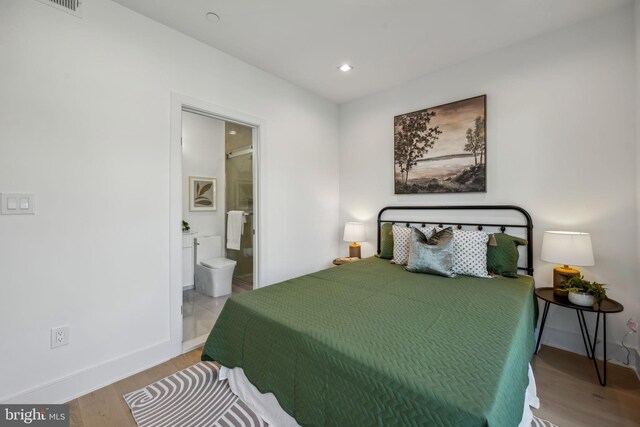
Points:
[570,395]
[106,407]
[568,389]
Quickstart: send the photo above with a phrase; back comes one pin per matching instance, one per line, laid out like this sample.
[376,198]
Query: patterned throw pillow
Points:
[401,236]
[470,253]
[432,255]
[502,258]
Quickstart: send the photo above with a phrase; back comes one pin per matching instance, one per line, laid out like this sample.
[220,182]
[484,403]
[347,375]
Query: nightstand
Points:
[602,309]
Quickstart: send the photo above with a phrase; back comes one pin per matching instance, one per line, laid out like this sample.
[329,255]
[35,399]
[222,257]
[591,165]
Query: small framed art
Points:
[202,193]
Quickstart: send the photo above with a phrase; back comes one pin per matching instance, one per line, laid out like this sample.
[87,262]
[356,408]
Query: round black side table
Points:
[605,307]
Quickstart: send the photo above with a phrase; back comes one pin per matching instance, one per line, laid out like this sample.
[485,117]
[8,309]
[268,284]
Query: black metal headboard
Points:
[527,223]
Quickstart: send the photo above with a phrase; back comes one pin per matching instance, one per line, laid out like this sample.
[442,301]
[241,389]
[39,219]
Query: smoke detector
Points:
[212,17]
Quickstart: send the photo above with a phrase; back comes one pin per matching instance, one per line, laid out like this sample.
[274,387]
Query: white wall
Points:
[561,143]
[203,154]
[85,125]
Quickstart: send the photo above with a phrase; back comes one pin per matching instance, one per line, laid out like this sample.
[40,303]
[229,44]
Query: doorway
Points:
[218,150]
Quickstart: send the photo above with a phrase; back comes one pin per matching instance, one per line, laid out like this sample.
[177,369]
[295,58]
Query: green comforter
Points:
[369,344]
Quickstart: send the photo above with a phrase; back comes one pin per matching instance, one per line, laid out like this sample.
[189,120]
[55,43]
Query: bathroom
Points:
[218,218]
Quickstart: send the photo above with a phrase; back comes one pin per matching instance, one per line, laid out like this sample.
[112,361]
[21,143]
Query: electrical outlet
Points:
[59,336]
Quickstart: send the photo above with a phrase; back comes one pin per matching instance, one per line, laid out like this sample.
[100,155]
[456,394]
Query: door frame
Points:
[180,102]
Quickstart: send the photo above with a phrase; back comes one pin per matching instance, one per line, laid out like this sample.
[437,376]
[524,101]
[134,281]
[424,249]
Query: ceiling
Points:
[387,41]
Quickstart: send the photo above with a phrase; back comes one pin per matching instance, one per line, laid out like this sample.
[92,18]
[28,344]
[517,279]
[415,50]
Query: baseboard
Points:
[572,341]
[85,381]
[194,343]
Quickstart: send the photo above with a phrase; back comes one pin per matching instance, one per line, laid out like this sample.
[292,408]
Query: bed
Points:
[368,343]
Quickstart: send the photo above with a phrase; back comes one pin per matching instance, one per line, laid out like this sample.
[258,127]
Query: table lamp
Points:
[354,232]
[566,248]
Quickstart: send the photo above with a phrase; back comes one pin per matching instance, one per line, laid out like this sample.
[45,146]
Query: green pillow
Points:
[386,241]
[431,255]
[502,258]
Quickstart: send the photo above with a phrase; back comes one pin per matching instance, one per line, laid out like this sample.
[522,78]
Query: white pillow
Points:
[401,237]
[470,253]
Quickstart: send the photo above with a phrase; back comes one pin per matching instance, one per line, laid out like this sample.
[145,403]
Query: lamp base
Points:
[354,250]
[560,274]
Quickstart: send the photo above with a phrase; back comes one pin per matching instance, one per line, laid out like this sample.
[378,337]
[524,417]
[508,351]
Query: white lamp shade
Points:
[567,247]
[354,232]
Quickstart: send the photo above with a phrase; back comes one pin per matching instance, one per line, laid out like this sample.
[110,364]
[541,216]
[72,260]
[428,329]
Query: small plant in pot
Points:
[583,292]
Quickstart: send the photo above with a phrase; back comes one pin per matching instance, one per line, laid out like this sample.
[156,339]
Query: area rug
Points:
[539,422]
[195,397]
[191,397]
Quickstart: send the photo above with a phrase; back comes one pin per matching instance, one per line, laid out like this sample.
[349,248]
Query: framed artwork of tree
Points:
[442,149]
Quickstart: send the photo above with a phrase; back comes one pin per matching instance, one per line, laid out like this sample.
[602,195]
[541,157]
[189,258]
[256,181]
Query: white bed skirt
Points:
[266,405]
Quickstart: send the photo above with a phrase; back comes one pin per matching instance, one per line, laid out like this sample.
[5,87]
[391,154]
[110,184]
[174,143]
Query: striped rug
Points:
[191,397]
[539,422]
[195,397]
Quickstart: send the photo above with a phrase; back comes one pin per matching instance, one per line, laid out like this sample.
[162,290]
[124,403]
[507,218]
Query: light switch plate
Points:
[18,204]
[12,203]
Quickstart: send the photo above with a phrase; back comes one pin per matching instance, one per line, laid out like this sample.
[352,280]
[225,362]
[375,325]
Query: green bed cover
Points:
[369,344]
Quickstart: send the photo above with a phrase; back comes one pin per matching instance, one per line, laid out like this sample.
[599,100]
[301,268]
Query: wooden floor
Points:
[570,395]
[569,392]
[105,407]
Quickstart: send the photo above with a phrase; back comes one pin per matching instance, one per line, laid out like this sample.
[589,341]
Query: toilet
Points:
[213,272]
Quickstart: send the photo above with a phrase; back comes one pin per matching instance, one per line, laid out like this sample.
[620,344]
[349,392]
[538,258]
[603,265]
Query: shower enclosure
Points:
[239,196]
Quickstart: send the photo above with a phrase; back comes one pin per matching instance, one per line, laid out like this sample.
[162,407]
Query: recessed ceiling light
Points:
[232,132]
[213,17]
[345,67]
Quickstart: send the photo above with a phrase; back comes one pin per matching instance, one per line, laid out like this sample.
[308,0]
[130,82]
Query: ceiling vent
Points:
[73,7]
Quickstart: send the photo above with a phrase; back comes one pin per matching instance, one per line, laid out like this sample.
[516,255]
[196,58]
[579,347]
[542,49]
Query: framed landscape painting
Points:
[442,149]
[202,193]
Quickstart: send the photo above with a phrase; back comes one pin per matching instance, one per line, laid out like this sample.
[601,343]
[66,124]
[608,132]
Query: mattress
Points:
[368,343]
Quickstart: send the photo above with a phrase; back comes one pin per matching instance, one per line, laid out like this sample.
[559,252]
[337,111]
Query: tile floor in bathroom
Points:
[201,312]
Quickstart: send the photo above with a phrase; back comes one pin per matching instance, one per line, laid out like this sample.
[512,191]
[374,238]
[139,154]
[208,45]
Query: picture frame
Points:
[442,149]
[202,194]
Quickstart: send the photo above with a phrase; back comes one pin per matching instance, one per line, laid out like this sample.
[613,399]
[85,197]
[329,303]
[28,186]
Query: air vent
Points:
[73,7]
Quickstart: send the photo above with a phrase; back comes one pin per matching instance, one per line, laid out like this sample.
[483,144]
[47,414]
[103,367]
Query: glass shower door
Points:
[239,197]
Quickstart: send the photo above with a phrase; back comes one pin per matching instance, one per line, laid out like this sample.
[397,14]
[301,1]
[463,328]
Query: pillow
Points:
[502,258]
[433,255]
[386,241]
[401,236]
[470,253]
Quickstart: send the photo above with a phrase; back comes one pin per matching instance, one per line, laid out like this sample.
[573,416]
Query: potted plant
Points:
[185,226]
[583,292]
